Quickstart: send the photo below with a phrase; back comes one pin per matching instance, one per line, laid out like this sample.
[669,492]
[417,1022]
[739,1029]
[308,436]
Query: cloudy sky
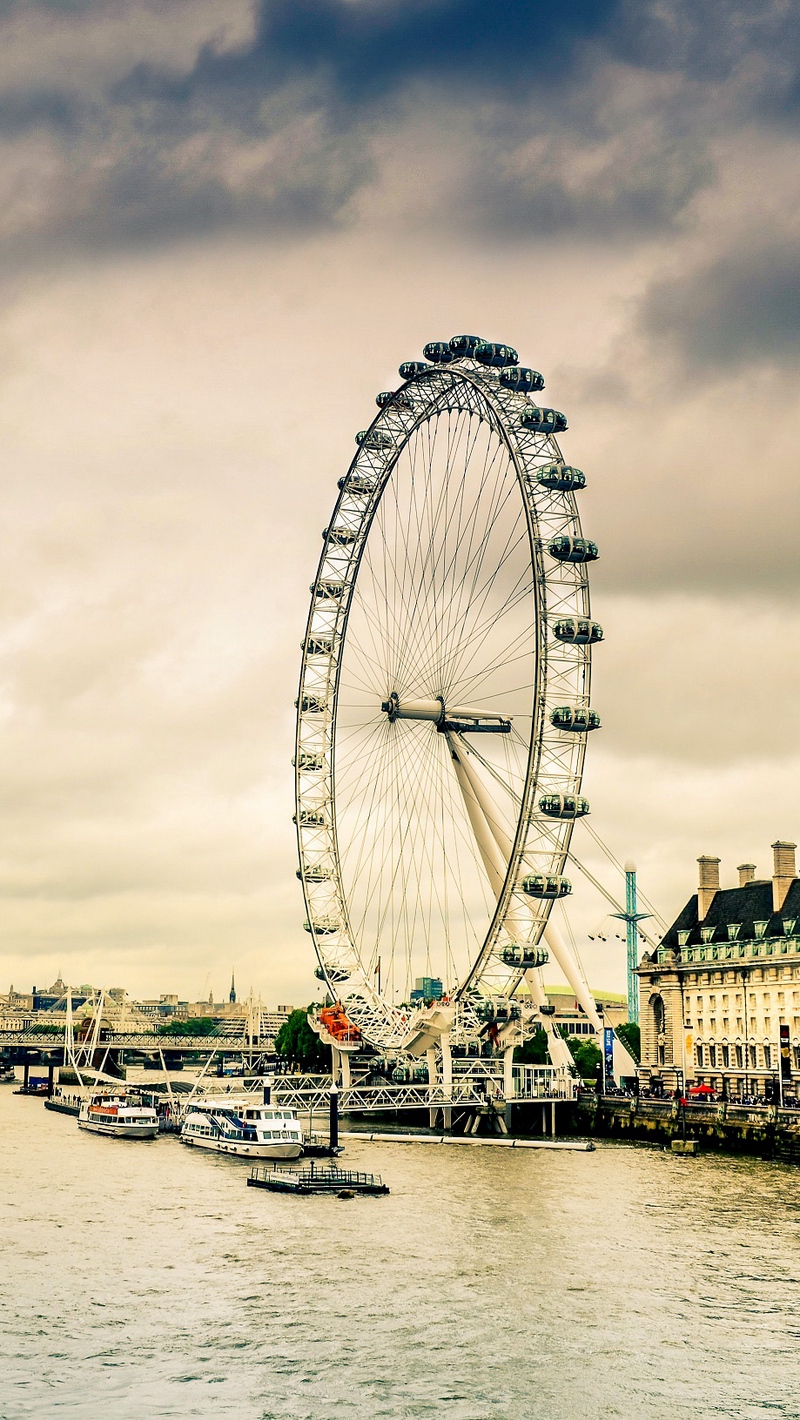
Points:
[222,228]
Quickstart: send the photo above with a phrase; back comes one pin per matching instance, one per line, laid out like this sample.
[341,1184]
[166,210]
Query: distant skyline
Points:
[222,230]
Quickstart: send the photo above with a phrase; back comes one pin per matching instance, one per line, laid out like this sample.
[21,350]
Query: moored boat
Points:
[240,1125]
[121,1116]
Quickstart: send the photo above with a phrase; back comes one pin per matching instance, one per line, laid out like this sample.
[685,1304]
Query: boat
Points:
[37,1088]
[122,1116]
[240,1125]
[67,1099]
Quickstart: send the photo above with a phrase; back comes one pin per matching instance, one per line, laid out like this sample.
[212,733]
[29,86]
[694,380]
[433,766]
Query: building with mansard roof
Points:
[720,997]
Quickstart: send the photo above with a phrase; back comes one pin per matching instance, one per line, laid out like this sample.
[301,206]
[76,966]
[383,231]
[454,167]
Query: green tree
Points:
[533,1051]
[586,1054]
[300,1046]
[201,1025]
[631,1036]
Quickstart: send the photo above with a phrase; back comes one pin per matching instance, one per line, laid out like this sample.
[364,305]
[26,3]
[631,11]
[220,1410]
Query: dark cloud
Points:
[741,309]
[593,119]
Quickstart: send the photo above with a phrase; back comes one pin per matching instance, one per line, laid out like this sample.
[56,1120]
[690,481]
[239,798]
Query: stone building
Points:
[720,997]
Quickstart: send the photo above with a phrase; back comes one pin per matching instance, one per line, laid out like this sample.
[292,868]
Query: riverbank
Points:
[760,1131]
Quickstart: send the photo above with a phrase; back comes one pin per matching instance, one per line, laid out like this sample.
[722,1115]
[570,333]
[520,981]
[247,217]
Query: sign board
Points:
[608,1052]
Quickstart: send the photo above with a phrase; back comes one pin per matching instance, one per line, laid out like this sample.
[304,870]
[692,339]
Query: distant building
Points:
[232,993]
[720,997]
[427,988]
[571,1018]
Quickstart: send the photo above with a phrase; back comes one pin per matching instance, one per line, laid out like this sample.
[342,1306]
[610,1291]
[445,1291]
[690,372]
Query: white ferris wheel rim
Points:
[560,676]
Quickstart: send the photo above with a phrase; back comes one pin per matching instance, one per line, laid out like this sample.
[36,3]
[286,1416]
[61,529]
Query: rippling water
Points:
[141,1280]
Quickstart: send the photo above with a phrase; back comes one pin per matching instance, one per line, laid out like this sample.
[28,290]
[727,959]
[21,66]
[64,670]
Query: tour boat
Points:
[240,1125]
[118,1115]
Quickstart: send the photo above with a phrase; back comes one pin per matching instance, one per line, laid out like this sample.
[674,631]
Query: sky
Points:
[222,228]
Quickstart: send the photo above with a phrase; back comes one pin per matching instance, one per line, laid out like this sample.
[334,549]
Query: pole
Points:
[333,1128]
[632,933]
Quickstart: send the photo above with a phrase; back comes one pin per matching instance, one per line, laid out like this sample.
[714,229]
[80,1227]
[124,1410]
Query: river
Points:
[140,1280]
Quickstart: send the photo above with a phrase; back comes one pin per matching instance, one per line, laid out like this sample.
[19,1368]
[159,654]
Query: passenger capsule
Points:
[327,591]
[577,630]
[340,537]
[573,549]
[439,351]
[322,926]
[564,805]
[357,484]
[312,705]
[315,873]
[561,477]
[308,762]
[410,368]
[519,377]
[544,421]
[333,973]
[548,885]
[576,718]
[318,646]
[374,439]
[395,397]
[547,1010]
[490,353]
[465,344]
[310,818]
[524,957]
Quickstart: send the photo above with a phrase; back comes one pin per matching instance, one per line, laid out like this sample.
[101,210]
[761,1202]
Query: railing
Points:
[148,1042]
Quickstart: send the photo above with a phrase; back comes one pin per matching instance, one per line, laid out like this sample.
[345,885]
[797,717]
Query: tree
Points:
[631,1036]
[533,1051]
[201,1025]
[586,1054]
[300,1046]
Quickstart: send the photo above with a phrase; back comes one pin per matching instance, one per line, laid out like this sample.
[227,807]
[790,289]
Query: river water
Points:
[142,1280]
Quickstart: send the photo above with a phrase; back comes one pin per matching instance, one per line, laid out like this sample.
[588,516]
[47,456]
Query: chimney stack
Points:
[783,872]
[747,872]
[708,885]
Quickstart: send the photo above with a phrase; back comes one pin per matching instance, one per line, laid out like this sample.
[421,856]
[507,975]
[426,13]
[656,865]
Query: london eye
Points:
[444,706]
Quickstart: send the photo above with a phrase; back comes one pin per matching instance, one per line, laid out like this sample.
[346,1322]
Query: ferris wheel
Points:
[443,708]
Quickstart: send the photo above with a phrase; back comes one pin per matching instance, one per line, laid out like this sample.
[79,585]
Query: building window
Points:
[739,1059]
[796,1053]
[768,1057]
[712,1056]
[698,1055]
[734,928]
[789,926]
[707,934]
[683,938]
[726,1057]
[760,928]
[753,1057]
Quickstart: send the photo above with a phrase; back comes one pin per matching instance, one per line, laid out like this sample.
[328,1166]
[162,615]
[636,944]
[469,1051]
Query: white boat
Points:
[240,1125]
[122,1116]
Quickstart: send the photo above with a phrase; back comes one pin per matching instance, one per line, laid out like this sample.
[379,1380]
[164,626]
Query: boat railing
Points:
[341,1178]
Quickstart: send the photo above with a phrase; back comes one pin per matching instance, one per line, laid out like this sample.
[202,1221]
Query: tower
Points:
[631,917]
[232,994]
